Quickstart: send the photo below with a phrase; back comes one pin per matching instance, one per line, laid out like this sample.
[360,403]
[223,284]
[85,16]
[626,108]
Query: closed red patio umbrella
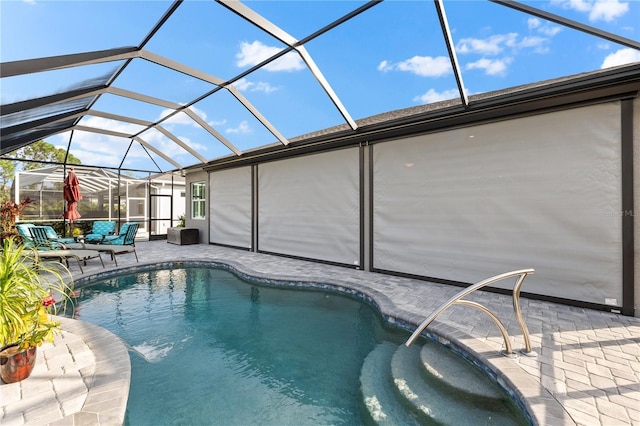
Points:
[72,195]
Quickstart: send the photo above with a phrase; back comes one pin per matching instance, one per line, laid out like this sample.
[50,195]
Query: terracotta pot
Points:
[16,364]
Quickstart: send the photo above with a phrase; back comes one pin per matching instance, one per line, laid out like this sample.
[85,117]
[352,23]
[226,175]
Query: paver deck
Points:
[586,371]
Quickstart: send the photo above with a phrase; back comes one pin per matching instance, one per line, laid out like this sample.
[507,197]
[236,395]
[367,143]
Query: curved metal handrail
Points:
[456,300]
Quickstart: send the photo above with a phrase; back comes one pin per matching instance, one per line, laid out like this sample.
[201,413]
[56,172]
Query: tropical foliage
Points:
[9,212]
[27,296]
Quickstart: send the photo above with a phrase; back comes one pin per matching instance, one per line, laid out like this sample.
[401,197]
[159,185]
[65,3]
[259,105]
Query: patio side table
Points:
[183,236]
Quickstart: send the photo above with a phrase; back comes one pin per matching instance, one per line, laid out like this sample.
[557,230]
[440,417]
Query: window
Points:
[198,200]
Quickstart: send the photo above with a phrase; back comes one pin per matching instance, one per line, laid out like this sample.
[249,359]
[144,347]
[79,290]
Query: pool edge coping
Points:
[108,386]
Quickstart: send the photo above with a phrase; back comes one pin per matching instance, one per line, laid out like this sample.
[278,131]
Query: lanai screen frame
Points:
[36,119]
[113,190]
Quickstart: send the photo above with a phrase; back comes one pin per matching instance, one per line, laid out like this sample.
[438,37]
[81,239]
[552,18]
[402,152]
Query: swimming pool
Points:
[208,348]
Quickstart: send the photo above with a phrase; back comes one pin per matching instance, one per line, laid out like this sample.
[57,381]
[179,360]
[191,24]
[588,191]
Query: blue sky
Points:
[392,56]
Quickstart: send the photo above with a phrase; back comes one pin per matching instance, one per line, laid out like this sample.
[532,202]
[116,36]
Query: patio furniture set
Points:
[48,245]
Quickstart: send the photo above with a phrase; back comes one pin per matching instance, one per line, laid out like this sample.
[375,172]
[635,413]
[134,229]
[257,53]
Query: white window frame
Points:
[199,200]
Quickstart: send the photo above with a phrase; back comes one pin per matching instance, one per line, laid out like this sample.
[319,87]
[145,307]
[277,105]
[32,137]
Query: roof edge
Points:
[526,99]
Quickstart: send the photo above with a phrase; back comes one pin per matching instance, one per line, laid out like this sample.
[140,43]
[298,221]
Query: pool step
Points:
[427,385]
[428,398]
[468,379]
[378,395]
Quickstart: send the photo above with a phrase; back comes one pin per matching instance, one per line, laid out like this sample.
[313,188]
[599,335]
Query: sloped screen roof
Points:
[201,80]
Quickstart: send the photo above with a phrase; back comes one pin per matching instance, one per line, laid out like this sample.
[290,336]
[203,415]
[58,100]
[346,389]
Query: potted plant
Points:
[27,305]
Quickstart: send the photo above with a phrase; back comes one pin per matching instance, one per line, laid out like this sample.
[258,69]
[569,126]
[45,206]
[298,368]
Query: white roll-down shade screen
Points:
[230,207]
[309,206]
[542,191]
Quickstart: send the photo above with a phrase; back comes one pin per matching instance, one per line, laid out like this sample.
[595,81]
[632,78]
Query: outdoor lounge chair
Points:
[25,234]
[45,248]
[126,236]
[100,230]
[123,243]
[27,241]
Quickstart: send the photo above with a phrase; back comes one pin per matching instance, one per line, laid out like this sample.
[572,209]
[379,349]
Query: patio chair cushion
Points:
[100,230]
[51,233]
[41,238]
[23,231]
[126,236]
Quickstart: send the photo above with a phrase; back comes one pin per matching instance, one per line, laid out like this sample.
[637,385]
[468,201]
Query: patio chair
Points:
[46,248]
[53,236]
[24,232]
[100,230]
[126,236]
[123,243]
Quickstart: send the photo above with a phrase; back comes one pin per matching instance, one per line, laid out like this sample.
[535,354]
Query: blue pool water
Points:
[210,349]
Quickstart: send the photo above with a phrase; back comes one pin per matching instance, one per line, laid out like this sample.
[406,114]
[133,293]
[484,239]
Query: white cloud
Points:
[385,66]
[179,118]
[621,57]
[533,23]
[108,151]
[531,42]
[245,85]
[243,127]
[489,46]
[579,5]
[497,43]
[491,66]
[598,10]
[424,66]
[265,87]
[111,125]
[538,44]
[549,30]
[183,119]
[541,50]
[94,148]
[608,10]
[432,96]
[89,157]
[254,53]
[167,146]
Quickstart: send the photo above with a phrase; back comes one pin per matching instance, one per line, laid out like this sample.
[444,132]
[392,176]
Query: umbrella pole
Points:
[64,203]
